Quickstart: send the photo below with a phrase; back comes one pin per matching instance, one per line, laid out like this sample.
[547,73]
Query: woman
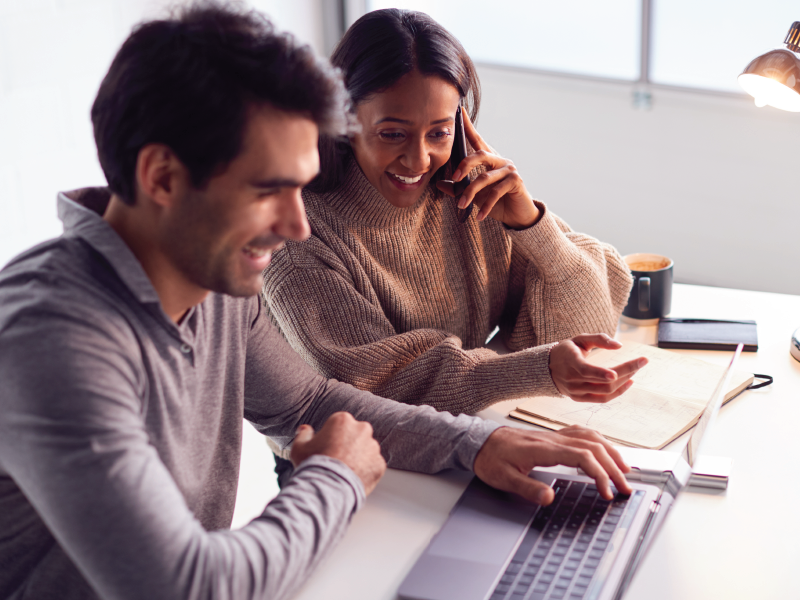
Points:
[391,293]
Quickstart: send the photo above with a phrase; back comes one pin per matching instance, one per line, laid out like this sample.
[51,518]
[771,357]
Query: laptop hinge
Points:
[636,555]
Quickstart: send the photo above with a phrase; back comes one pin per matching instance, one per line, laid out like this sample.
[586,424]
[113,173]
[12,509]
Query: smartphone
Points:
[458,154]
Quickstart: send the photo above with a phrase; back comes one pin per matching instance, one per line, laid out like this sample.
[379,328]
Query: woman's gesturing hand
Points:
[499,191]
[575,377]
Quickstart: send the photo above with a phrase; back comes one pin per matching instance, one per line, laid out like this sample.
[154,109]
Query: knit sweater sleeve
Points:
[561,284]
[337,325]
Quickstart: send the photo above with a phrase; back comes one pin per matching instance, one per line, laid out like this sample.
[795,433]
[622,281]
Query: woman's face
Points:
[406,135]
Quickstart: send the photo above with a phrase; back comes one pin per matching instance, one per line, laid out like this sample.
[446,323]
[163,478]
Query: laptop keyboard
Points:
[562,549]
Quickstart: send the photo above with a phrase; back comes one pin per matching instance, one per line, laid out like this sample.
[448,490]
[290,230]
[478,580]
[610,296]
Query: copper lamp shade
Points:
[774,78]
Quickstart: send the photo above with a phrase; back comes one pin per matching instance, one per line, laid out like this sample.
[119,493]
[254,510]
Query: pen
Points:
[670,320]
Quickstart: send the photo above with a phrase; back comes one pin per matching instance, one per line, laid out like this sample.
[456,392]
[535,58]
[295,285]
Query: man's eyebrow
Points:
[279,183]
[406,122]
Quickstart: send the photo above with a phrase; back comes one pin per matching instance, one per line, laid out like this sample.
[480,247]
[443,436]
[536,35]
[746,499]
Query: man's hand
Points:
[573,376]
[509,454]
[348,440]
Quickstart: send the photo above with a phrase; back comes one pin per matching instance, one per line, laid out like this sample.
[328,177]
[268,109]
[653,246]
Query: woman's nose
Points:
[417,156]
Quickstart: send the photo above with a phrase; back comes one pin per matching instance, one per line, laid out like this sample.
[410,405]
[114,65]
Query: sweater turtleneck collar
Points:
[357,200]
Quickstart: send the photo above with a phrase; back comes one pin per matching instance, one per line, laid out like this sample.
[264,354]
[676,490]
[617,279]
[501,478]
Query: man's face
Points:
[222,237]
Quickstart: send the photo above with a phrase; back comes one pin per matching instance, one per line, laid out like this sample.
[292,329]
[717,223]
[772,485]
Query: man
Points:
[131,346]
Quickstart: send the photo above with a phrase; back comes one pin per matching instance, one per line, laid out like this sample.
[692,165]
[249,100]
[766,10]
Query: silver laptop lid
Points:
[678,477]
[693,446]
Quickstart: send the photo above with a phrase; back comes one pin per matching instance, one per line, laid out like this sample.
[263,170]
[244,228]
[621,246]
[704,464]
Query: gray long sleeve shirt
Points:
[120,433]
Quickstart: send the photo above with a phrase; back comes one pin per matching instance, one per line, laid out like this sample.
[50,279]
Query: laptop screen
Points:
[692,449]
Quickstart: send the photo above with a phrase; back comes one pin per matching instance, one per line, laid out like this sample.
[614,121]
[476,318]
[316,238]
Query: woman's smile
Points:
[407,183]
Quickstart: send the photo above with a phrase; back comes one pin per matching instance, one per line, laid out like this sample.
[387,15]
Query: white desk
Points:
[703,550]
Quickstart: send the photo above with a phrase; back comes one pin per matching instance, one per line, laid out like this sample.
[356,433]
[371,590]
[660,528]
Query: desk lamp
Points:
[774,78]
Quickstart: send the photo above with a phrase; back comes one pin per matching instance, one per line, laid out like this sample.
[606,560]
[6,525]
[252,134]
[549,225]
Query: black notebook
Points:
[707,334]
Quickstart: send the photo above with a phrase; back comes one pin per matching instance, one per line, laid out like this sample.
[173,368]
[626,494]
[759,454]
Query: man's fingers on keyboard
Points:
[575,452]
[605,468]
[587,461]
[604,451]
[610,466]
[529,488]
[592,456]
[611,450]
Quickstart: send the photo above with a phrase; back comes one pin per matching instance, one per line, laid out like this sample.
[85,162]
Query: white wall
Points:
[707,180]
[53,55]
[710,181]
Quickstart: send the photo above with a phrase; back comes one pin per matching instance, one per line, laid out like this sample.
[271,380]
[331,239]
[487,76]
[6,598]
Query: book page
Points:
[638,417]
[666,399]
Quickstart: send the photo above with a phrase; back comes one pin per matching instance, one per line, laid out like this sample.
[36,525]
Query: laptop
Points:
[497,546]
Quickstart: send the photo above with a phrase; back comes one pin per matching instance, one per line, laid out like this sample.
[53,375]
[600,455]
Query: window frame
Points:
[352,10]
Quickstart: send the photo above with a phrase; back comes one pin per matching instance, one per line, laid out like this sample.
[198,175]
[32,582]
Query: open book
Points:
[666,399]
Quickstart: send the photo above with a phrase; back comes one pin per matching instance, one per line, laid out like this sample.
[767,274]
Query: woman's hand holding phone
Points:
[499,191]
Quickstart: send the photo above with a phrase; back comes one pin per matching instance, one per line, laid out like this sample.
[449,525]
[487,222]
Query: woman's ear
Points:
[160,175]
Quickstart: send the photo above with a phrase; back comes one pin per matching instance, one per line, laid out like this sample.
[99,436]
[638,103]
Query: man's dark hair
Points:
[188,82]
[375,53]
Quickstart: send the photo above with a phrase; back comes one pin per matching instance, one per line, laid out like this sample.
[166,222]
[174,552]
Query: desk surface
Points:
[732,544]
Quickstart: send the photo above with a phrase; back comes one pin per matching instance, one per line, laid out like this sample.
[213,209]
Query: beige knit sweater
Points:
[399,301]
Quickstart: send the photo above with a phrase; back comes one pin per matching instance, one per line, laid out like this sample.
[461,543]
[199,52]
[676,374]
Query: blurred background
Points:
[624,116]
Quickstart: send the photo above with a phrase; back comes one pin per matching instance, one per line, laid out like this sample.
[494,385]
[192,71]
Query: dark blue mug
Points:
[651,295]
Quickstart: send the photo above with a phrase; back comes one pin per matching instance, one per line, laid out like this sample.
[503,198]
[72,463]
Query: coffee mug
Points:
[651,295]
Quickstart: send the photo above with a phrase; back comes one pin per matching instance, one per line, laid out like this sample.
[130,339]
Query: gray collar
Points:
[81,213]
